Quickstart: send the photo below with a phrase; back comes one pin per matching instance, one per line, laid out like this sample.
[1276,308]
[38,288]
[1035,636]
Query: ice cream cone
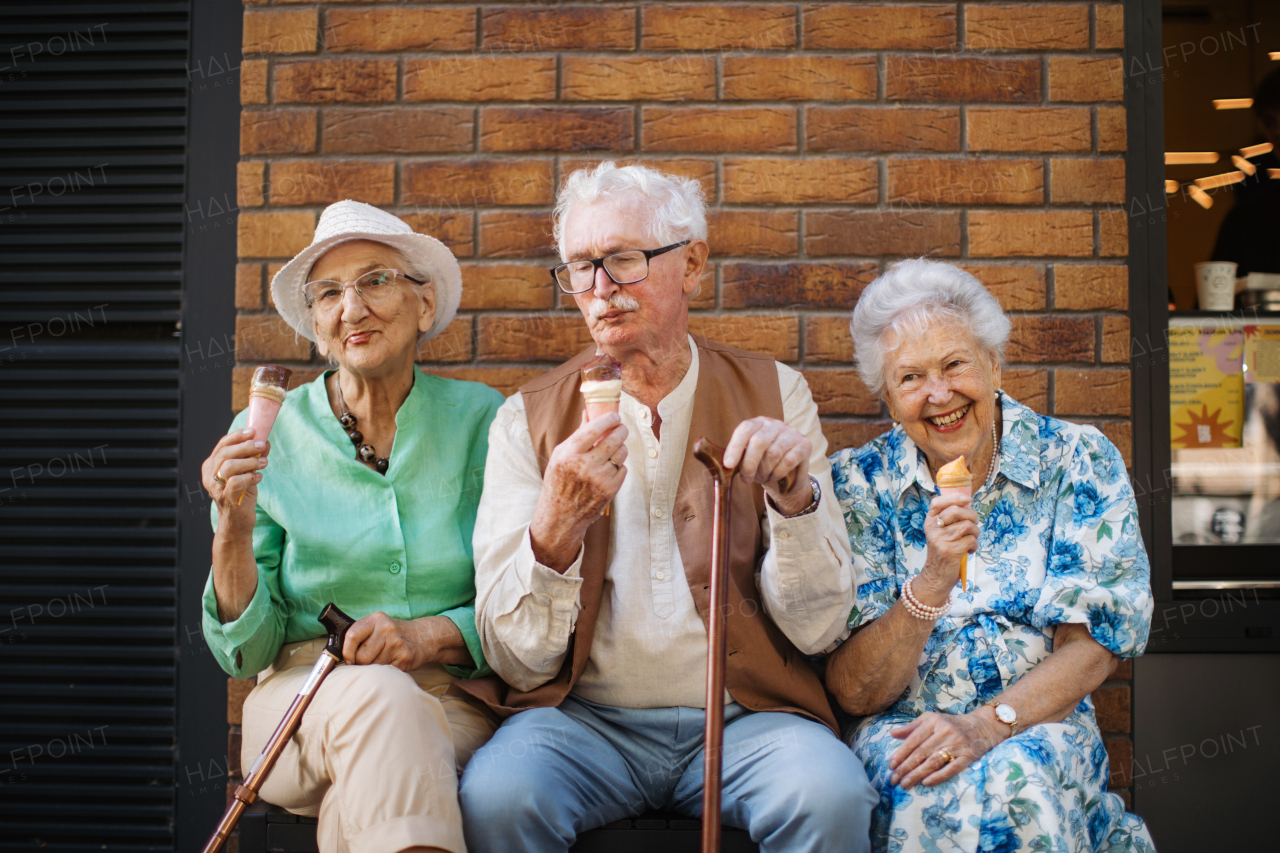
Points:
[601,386]
[955,478]
[267,391]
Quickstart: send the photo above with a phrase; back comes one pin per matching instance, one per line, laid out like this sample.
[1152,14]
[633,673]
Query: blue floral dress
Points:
[1059,543]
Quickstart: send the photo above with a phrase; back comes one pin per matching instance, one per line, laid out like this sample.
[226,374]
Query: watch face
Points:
[1006,714]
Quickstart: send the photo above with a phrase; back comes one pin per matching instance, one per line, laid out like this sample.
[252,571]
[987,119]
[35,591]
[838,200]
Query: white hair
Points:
[912,294]
[678,205]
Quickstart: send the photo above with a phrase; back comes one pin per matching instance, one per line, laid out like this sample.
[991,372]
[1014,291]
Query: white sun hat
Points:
[344,221]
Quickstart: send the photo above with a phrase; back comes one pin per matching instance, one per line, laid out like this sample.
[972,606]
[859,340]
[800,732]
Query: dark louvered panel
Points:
[93,127]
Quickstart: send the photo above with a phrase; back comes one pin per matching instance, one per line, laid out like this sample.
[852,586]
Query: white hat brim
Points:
[286,286]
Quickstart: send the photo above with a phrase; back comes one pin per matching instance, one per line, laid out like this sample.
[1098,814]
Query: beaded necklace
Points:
[364,452]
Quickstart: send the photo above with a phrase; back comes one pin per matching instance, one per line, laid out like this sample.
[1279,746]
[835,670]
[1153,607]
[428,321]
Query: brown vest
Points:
[764,671]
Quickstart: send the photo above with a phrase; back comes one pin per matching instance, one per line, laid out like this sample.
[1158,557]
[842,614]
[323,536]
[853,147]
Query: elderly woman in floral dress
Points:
[977,725]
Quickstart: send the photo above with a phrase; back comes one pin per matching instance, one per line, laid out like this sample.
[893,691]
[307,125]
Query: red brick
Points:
[277,131]
[532,337]
[253,81]
[842,434]
[1120,433]
[1116,346]
[882,129]
[968,79]
[1086,78]
[506,287]
[453,229]
[746,28]
[556,128]
[274,235]
[1110,26]
[335,81]
[1029,129]
[418,130]
[638,78]
[805,285]
[1087,181]
[453,344]
[991,27]
[374,30]
[513,234]
[1114,232]
[841,180]
[1028,387]
[778,337]
[753,232]
[1052,338]
[945,181]
[282,31]
[238,689]
[841,392]
[266,337]
[1079,287]
[558,28]
[505,379]
[1113,134]
[250,177]
[700,169]
[1120,757]
[299,182]
[481,78]
[1091,392]
[827,340]
[1000,233]
[847,25]
[801,77]
[1018,287]
[249,286]
[467,183]
[719,130]
[882,233]
[234,741]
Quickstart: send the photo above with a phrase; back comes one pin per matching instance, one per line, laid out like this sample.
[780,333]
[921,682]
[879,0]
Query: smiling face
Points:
[363,337]
[941,387]
[650,315]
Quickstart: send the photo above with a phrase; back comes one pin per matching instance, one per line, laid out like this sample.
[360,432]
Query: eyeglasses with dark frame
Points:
[621,267]
[373,287]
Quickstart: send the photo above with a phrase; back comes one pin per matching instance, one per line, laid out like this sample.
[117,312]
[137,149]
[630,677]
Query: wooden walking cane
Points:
[713,737]
[336,623]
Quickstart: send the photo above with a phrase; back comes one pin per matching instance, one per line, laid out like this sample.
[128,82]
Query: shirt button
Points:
[657,513]
[395,568]
[653,454]
[782,534]
[660,576]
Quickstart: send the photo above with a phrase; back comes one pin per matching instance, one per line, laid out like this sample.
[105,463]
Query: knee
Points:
[833,792]
[498,790]
[375,691]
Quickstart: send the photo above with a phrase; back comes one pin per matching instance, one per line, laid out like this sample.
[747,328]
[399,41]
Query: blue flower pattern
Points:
[1059,543]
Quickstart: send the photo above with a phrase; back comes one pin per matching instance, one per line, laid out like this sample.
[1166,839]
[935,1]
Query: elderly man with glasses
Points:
[591,546]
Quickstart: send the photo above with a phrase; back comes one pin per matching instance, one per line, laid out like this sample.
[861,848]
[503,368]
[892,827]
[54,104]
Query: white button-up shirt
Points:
[650,645]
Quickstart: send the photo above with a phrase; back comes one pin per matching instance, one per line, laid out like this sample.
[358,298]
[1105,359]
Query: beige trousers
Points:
[377,756]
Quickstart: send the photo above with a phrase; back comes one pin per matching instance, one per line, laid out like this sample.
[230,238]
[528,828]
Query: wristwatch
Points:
[1006,715]
[813,505]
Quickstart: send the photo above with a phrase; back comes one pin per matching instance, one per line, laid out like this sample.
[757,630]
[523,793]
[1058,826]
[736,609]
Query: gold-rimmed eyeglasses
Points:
[373,287]
[622,267]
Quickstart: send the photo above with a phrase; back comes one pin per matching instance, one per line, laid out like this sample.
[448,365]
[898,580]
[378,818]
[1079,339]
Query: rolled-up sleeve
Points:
[806,578]
[525,611]
[244,647]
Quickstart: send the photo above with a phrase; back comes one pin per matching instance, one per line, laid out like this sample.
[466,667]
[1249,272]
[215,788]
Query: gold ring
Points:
[220,480]
[947,756]
[615,465]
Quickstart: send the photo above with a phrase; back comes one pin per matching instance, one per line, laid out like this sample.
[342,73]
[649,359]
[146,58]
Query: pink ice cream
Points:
[601,386]
[267,391]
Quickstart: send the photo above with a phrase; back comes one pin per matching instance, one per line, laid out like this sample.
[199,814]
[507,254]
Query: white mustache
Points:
[617,302]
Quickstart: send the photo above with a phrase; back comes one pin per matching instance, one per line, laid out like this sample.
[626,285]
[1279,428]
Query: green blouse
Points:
[330,529]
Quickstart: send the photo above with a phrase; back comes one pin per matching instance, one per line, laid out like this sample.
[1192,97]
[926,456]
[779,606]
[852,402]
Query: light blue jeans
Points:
[552,773]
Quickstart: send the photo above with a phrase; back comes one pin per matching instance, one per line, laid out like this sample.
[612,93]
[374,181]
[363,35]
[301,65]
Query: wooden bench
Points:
[265,828]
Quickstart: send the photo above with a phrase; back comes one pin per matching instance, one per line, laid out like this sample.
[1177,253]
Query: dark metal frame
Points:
[208,324]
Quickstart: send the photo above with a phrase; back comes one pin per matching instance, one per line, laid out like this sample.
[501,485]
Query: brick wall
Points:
[831,139]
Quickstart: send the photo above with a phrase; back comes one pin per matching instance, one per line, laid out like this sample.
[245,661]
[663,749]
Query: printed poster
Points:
[1262,354]
[1206,385]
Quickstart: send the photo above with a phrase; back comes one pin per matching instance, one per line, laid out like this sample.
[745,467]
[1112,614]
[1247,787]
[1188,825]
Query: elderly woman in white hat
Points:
[365,496]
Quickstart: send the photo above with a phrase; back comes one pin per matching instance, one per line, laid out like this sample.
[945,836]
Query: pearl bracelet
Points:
[920,610]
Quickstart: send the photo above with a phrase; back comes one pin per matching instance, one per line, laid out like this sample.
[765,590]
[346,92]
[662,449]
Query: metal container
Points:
[1262,300]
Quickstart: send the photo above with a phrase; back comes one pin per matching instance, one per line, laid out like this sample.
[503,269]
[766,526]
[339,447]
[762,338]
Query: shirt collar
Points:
[409,410]
[1019,451]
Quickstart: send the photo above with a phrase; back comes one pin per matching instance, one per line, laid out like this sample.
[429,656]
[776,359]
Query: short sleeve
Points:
[868,517]
[1098,573]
